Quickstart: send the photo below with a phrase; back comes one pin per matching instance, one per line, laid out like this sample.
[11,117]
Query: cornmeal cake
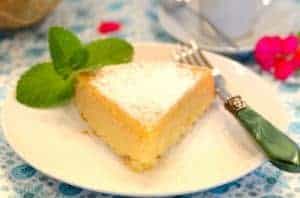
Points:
[141,109]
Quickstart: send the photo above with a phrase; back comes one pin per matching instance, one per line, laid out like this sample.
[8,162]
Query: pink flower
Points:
[266,50]
[296,59]
[106,27]
[284,69]
[289,44]
[278,55]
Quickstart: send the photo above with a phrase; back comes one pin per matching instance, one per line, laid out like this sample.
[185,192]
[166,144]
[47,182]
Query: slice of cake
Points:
[141,109]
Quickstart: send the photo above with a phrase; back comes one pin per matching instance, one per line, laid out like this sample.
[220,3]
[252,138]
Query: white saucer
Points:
[217,151]
[282,17]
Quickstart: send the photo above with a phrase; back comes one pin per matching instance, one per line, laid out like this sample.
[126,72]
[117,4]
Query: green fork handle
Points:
[281,150]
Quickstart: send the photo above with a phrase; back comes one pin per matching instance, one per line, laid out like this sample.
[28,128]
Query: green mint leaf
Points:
[107,52]
[62,44]
[79,58]
[41,86]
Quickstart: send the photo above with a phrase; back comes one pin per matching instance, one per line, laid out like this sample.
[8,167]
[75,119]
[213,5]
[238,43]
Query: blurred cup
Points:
[234,17]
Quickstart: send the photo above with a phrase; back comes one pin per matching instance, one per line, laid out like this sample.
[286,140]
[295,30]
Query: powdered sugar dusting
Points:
[145,90]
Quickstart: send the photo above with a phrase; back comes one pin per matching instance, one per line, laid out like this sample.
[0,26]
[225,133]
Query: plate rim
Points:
[253,167]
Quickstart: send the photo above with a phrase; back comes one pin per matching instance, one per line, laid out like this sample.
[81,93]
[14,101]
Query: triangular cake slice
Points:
[141,109]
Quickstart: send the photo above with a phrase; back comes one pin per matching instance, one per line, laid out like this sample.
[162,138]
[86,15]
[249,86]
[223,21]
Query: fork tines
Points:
[188,53]
[191,54]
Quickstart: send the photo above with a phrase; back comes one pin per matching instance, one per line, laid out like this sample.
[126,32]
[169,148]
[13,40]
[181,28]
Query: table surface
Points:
[139,23]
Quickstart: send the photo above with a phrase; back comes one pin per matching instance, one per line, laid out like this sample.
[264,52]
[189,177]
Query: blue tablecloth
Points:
[139,22]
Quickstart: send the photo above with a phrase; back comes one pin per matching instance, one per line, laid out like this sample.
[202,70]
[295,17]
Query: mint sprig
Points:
[52,83]
[79,58]
[41,86]
[62,45]
[113,51]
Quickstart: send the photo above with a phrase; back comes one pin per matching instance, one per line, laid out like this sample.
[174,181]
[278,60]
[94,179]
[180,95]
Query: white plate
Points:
[280,18]
[215,152]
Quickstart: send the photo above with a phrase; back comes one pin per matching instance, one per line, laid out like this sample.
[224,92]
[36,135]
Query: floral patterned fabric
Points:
[136,20]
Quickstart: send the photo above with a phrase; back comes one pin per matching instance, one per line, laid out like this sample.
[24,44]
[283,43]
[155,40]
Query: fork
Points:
[281,151]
